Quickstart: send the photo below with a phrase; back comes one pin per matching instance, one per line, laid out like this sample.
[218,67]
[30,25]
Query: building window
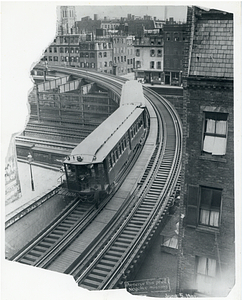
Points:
[115,60]
[206,273]
[138,64]
[159,52]
[72,50]
[100,55]
[77,50]
[61,50]
[62,58]
[215,133]
[87,55]
[105,54]
[92,55]
[152,41]
[105,64]
[50,50]
[159,41]
[137,52]
[158,66]
[118,59]
[152,64]
[152,52]
[50,58]
[210,206]
[203,206]
[55,58]
[122,58]
[93,65]
[67,58]
[131,60]
[168,37]
[55,49]
[176,37]
[66,50]
[110,63]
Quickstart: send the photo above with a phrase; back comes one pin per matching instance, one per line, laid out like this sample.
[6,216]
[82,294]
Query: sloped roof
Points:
[212,52]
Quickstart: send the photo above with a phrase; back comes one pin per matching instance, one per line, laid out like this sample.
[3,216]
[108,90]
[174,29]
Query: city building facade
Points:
[174,38]
[149,53]
[207,229]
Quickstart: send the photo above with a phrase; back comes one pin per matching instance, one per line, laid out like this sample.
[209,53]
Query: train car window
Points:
[122,144]
[120,150]
[113,157]
[132,133]
[110,162]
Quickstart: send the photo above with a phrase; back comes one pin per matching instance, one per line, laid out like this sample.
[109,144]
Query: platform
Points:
[44,181]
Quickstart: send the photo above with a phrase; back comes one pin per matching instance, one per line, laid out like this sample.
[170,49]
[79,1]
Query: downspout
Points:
[191,41]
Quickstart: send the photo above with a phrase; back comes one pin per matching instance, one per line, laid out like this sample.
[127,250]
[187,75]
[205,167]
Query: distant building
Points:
[123,55]
[110,25]
[67,20]
[97,54]
[87,26]
[207,252]
[64,51]
[174,38]
[149,53]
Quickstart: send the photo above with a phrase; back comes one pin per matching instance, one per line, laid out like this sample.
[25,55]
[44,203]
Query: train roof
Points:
[132,93]
[96,146]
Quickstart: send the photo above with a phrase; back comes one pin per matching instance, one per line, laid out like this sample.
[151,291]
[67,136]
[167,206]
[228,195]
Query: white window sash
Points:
[208,143]
[219,146]
[221,127]
[210,126]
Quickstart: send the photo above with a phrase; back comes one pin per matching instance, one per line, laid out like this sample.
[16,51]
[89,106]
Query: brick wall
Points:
[209,171]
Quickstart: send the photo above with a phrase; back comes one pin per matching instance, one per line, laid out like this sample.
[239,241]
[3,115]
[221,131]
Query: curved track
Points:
[115,252]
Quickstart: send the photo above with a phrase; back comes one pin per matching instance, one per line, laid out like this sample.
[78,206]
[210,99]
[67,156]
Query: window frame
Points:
[209,208]
[204,133]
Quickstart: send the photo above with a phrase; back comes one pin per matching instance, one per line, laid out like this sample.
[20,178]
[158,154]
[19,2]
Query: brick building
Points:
[174,39]
[207,249]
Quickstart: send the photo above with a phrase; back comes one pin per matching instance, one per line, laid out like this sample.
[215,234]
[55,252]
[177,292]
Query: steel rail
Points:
[114,274]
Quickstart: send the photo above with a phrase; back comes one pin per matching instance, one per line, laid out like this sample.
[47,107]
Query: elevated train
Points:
[96,162]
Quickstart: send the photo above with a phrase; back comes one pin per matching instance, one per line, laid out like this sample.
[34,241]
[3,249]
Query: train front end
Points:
[84,176]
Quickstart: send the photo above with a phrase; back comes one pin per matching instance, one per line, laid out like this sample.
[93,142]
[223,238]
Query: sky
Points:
[178,12]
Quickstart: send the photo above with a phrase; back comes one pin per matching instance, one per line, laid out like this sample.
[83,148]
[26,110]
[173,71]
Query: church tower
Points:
[67,19]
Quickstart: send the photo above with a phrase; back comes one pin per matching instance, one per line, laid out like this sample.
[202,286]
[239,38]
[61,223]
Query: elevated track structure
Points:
[102,248]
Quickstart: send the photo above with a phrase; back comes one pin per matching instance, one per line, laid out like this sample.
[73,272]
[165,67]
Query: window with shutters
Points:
[215,133]
[203,207]
[205,274]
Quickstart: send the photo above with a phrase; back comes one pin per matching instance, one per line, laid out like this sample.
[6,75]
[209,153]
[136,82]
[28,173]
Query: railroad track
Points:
[114,255]
[105,264]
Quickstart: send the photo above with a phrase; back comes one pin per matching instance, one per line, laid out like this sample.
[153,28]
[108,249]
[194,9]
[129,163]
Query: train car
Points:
[97,161]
